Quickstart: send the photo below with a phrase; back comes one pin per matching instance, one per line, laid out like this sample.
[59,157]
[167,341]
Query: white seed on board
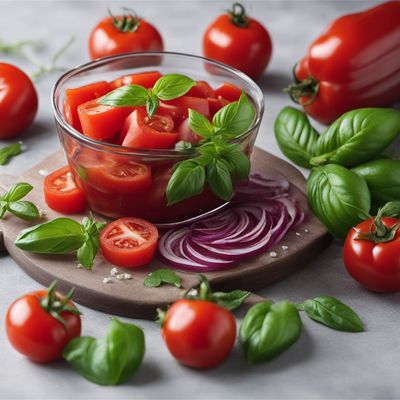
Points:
[273,254]
[114,271]
[124,276]
[298,234]
[107,280]
[43,172]
[284,248]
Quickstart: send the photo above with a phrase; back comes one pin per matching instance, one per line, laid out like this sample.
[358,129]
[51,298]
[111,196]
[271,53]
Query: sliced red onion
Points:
[261,214]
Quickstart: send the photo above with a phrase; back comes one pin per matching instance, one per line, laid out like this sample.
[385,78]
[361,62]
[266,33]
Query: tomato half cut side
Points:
[62,194]
[129,242]
[228,91]
[145,79]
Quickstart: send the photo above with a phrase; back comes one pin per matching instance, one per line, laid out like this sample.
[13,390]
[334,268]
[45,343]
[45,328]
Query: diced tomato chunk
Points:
[145,79]
[186,134]
[100,121]
[202,89]
[228,91]
[77,96]
[216,104]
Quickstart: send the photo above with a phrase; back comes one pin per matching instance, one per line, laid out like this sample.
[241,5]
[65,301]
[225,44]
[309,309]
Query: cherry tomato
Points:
[123,34]
[145,79]
[61,193]
[37,334]
[129,242]
[201,89]
[375,265]
[198,333]
[228,91]
[18,101]
[77,96]
[101,121]
[141,132]
[239,41]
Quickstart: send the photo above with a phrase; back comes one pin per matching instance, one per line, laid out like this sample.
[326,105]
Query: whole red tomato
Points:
[374,260]
[198,333]
[239,41]
[41,323]
[123,34]
[18,101]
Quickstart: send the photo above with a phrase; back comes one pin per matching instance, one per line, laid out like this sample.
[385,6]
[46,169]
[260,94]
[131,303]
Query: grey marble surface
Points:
[323,363]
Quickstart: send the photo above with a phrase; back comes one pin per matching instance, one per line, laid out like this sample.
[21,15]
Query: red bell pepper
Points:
[355,63]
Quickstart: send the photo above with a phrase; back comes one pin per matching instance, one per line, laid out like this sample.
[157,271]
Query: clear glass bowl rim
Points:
[117,149]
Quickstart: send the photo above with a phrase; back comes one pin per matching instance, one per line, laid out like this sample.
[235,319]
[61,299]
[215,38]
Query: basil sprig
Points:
[110,360]
[333,313]
[160,276]
[11,201]
[63,236]
[9,151]
[168,87]
[219,160]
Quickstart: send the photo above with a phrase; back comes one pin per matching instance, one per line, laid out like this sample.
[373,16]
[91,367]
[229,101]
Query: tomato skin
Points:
[106,40]
[145,79]
[355,66]
[121,250]
[62,194]
[18,101]
[228,91]
[201,89]
[35,333]
[248,48]
[374,265]
[199,334]
[216,104]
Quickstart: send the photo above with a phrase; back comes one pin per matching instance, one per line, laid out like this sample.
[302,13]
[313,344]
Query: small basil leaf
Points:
[187,180]
[25,210]
[295,136]
[183,145]
[59,236]
[219,179]
[235,118]
[357,136]
[110,360]
[152,105]
[338,197]
[3,208]
[172,86]
[87,253]
[239,163]
[162,275]
[230,300]
[268,329]
[199,124]
[9,151]
[128,95]
[333,313]
[17,191]
[383,180]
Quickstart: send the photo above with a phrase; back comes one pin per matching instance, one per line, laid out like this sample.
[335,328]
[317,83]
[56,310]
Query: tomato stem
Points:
[127,22]
[308,87]
[238,16]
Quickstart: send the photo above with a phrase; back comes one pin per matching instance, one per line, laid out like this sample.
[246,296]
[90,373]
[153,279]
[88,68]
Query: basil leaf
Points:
[187,180]
[128,95]
[17,191]
[183,145]
[295,136]
[25,210]
[219,179]
[199,124]
[9,151]
[333,313]
[339,198]
[235,118]
[172,86]
[239,163]
[357,136]
[383,180]
[59,236]
[268,329]
[3,208]
[110,360]
[87,253]
[162,275]
[152,105]
[230,300]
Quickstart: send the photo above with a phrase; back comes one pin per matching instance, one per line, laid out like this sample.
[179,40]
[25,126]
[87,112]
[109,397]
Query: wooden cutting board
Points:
[129,297]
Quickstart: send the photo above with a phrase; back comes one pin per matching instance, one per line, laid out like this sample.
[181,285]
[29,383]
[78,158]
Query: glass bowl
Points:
[90,159]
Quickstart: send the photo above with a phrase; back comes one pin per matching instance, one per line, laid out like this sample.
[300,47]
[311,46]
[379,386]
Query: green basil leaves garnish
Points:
[63,236]
[9,151]
[333,313]
[110,360]
[160,276]
[168,87]
[11,201]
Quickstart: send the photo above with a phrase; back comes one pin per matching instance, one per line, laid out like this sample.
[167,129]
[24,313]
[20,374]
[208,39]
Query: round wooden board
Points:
[130,298]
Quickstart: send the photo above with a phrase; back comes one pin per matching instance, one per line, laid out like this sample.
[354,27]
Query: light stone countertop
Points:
[324,363]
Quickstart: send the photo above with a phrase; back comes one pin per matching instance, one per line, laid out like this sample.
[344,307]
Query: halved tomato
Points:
[76,96]
[201,89]
[101,121]
[145,79]
[228,91]
[141,132]
[62,194]
[129,242]
[216,104]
